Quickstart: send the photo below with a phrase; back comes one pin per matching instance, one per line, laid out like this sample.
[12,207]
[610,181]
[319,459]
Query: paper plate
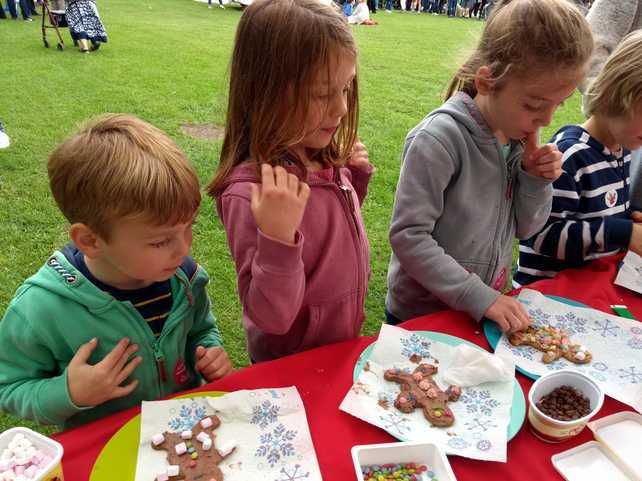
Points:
[117,460]
[493,334]
[518,410]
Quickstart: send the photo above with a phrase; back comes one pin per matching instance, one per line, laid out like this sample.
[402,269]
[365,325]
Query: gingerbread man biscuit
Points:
[554,343]
[420,390]
[191,454]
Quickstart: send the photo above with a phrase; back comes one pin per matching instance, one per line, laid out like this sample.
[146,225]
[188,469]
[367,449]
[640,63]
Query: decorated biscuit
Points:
[554,343]
[191,454]
[419,390]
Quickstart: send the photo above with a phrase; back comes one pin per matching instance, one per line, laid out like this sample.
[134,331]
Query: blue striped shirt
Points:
[590,217]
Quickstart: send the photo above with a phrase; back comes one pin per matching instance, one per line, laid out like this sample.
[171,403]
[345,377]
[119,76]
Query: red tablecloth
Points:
[324,375]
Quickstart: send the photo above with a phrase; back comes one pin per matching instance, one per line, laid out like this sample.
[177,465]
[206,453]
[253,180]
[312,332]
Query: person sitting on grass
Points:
[361,14]
[591,216]
[120,315]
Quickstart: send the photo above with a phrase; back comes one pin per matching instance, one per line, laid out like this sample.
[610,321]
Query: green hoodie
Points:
[57,310]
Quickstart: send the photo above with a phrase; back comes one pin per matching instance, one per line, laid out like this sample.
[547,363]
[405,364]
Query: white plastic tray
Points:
[403,452]
[621,433]
[591,462]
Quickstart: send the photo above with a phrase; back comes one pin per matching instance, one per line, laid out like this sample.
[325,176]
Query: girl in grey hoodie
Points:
[473,176]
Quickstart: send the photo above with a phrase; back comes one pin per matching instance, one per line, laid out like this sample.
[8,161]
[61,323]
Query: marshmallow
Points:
[202,436]
[207,444]
[158,439]
[172,470]
[181,448]
[31,471]
[186,435]
[206,423]
[6,464]
[227,448]
[162,476]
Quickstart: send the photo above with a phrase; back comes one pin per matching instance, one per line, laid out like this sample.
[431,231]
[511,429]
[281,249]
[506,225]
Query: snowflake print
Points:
[395,422]
[600,366]
[415,344]
[636,331]
[386,398]
[265,414]
[276,444]
[570,322]
[292,473]
[458,443]
[479,402]
[631,374]
[597,375]
[555,366]
[484,445]
[525,352]
[635,343]
[477,424]
[606,328]
[538,315]
[188,416]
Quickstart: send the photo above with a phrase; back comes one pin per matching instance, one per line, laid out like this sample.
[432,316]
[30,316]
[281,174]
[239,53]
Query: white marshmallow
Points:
[207,444]
[186,434]
[226,448]
[162,476]
[206,423]
[173,470]
[158,439]
[181,448]
[202,436]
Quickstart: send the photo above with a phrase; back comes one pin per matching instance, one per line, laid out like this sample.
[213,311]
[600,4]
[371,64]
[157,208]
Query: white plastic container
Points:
[53,470]
[553,430]
[590,462]
[403,452]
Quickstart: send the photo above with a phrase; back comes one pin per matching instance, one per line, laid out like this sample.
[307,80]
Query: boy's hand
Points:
[278,205]
[359,157]
[636,216]
[213,363]
[544,161]
[93,385]
[509,313]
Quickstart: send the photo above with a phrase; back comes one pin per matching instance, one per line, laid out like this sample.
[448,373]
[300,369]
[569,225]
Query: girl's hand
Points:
[359,157]
[508,313]
[544,161]
[278,205]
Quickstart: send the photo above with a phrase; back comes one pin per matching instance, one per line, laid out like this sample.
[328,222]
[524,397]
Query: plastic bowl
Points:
[553,430]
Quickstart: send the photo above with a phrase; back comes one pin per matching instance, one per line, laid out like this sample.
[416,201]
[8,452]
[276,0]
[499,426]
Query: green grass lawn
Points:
[167,62]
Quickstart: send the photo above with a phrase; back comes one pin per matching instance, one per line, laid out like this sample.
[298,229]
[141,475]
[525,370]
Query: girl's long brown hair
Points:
[521,35]
[281,46]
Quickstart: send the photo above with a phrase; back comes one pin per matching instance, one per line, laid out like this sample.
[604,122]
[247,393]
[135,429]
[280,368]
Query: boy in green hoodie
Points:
[121,314]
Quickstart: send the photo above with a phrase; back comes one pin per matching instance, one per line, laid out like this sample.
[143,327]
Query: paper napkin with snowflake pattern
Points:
[615,343]
[482,413]
[269,427]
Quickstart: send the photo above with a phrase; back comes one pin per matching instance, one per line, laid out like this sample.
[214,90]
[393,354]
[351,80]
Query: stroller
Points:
[54,17]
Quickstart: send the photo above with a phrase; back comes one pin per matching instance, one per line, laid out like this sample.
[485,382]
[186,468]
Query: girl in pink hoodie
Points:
[292,178]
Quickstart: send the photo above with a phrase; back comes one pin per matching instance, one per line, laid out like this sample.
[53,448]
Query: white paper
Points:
[614,342]
[269,427]
[630,273]
[482,413]
[470,366]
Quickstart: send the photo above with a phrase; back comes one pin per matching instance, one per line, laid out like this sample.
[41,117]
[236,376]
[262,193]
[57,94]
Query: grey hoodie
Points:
[458,206]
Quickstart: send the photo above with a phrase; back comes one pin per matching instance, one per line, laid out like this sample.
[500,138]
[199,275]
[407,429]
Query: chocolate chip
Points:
[565,403]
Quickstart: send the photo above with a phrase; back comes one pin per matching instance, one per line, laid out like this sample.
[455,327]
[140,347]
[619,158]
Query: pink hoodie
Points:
[297,297]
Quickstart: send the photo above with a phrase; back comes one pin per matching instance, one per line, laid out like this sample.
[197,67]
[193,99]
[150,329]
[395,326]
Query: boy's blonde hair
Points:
[280,48]
[617,89]
[119,166]
[522,36]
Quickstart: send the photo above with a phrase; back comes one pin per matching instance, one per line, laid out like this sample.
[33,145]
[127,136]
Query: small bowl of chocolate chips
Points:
[561,404]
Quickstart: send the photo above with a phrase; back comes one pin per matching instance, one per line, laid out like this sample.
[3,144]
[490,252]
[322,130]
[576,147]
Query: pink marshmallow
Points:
[20,469]
[206,423]
[181,448]
[158,439]
[162,476]
[202,436]
[31,471]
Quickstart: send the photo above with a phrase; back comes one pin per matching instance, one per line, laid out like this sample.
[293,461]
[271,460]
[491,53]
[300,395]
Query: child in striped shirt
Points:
[591,216]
